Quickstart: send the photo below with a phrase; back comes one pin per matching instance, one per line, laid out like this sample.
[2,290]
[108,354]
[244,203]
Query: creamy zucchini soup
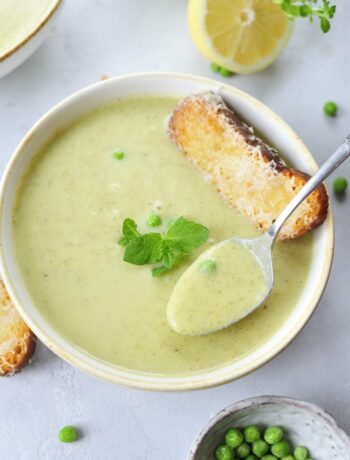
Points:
[19,19]
[67,225]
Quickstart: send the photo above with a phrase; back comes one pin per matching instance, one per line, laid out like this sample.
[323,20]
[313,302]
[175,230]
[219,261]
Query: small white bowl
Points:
[61,116]
[305,424]
[30,43]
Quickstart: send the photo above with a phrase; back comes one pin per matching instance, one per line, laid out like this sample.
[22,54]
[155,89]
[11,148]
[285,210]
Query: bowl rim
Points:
[51,11]
[153,381]
[258,401]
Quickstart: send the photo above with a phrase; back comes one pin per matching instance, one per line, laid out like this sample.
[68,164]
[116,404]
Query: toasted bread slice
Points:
[17,342]
[247,172]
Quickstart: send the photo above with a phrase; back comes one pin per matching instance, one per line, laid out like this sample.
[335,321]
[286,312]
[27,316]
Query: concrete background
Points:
[95,37]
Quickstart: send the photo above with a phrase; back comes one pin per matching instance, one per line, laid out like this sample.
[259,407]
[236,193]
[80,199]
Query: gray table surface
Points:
[94,37]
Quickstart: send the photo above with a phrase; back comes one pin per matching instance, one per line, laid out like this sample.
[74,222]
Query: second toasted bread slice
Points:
[17,342]
[248,173]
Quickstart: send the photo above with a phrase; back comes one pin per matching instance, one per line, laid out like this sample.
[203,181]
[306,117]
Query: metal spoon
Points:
[261,247]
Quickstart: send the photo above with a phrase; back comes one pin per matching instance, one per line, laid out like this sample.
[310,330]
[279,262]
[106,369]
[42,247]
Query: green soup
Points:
[67,222]
[19,19]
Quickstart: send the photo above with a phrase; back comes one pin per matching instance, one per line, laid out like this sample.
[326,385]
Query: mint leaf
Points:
[130,232]
[145,249]
[172,258]
[171,255]
[185,235]
[325,25]
[169,262]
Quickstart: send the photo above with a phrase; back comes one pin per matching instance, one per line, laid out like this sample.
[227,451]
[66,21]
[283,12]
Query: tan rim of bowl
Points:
[151,381]
[41,24]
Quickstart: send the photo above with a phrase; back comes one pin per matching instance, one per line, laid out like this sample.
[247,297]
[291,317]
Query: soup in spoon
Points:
[217,290]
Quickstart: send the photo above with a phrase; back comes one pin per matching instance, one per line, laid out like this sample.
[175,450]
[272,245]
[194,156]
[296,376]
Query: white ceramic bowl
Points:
[305,425]
[30,43]
[87,99]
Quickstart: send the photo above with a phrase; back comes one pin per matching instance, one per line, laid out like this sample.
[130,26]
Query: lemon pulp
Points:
[241,35]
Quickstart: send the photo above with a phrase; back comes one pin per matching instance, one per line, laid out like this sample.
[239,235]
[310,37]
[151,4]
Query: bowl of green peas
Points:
[271,428]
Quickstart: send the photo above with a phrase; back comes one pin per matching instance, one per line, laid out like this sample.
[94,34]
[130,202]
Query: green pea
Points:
[281,449]
[223,453]
[251,433]
[288,457]
[330,108]
[301,453]
[233,438]
[269,457]
[339,185]
[243,450]
[68,434]
[215,68]
[273,434]
[154,220]
[207,266]
[251,457]
[119,155]
[225,72]
[260,448]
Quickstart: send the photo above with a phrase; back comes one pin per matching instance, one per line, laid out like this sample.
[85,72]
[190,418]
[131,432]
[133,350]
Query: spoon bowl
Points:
[245,264]
[199,307]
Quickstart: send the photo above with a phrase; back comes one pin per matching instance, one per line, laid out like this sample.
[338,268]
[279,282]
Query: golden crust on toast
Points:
[17,342]
[248,173]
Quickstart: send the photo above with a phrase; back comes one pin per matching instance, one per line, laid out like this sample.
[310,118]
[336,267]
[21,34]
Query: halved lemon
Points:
[240,35]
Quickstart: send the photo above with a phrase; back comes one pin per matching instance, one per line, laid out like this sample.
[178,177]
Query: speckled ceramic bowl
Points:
[304,423]
[76,106]
[29,43]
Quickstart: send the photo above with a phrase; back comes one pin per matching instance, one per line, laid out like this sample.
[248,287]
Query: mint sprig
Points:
[168,249]
[321,9]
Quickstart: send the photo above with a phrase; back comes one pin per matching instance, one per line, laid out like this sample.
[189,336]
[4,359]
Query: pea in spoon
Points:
[202,302]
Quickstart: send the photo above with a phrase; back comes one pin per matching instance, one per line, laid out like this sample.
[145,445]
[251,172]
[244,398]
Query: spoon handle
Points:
[340,155]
